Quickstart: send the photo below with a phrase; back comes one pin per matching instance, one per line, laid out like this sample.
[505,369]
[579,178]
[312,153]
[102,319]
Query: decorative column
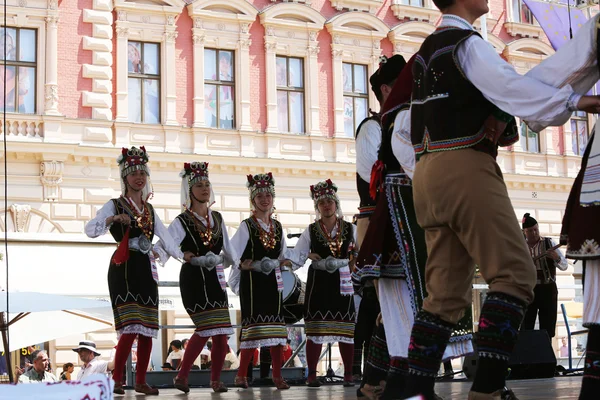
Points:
[312,84]
[51,87]
[270,61]
[242,63]
[338,88]
[198,38]
[122,112]
[371,68]
[170,74]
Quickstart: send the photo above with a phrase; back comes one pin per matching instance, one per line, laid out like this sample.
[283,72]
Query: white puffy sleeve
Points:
[299,254]
[177,233]
[168,244]
[97,226]
[401,143]
[231,256]
[238,244]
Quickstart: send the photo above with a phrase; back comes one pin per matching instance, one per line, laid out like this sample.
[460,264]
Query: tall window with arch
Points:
[530,140]
[18,77]
[219,89]
[143,83]
[356,98]
[290,94]
[580,132]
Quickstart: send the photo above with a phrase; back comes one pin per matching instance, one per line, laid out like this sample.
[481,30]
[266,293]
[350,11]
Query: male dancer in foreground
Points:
[463,97]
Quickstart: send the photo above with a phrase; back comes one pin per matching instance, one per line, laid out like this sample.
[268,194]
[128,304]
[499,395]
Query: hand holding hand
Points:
[590,104]
[188,255]
[246,265]
[314,257]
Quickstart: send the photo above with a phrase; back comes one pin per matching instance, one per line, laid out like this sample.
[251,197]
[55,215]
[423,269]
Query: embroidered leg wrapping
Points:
[430,335]
[501,316]
[396,379]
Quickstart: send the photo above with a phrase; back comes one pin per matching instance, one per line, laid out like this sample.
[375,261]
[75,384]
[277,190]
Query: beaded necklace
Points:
[205,231]
[142,219]
[267,238]
[335,245]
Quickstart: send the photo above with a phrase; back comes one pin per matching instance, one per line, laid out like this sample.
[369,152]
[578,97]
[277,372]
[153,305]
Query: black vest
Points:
[254,249]
[118,230]
[193,242]
[362,186]
[545,266]
[448,112]
[318,240]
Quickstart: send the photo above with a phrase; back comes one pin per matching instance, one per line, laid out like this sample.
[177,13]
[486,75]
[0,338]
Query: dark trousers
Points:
[265,362]
[545,302]
[367,315]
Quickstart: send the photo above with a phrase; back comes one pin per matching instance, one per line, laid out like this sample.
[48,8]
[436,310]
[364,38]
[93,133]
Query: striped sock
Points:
[501,316]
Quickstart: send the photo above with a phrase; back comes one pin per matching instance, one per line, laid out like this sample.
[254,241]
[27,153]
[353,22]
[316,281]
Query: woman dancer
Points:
[132,275]
[261,243]
[202,236]
[329,310]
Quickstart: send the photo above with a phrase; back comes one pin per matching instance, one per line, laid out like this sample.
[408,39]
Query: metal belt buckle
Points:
[144,244]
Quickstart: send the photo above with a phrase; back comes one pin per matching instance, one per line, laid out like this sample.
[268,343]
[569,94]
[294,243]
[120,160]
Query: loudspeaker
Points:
[532,357]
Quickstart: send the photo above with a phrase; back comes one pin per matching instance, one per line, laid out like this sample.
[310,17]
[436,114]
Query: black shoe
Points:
[507,394]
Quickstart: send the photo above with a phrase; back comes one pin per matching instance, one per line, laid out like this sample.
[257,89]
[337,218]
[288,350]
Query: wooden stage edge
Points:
[564,387]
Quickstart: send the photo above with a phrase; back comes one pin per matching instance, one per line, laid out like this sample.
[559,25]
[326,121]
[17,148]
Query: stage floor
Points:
[558,388]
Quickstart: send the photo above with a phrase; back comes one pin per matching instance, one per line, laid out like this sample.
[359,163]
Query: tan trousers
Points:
[462,203]
[362,224]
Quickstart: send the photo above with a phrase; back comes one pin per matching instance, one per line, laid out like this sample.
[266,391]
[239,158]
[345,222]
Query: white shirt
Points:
[575,63]
[97,227]
[299,253]
[239,241]
[402,147]
[178,233]
[367,146]
[175,355]
[516,94]
[96,366]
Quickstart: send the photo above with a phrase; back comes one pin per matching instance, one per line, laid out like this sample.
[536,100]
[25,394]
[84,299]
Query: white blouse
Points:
[299,254]
[239,242]
[178,233]
[97,227]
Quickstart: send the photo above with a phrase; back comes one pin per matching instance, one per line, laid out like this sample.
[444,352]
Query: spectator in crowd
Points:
[175,354]
[38,372]
[67,370]
[88,354]
[231,360]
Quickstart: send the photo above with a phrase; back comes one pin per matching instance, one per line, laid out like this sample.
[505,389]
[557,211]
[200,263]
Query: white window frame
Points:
[357,46]
[223,25]
[295,37]
[150,23]
[41,15]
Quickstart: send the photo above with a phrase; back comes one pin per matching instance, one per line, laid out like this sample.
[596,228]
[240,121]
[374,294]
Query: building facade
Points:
[249,86]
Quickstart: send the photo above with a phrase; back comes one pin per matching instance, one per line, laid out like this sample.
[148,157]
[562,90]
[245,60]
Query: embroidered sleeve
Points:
[238,244]
[97,226]
[401,142]
[562,264]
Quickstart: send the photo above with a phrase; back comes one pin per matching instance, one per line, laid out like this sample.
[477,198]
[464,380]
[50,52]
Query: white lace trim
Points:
[253,344]
[101,228]
[215,332]
[137,329]
[330,339]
